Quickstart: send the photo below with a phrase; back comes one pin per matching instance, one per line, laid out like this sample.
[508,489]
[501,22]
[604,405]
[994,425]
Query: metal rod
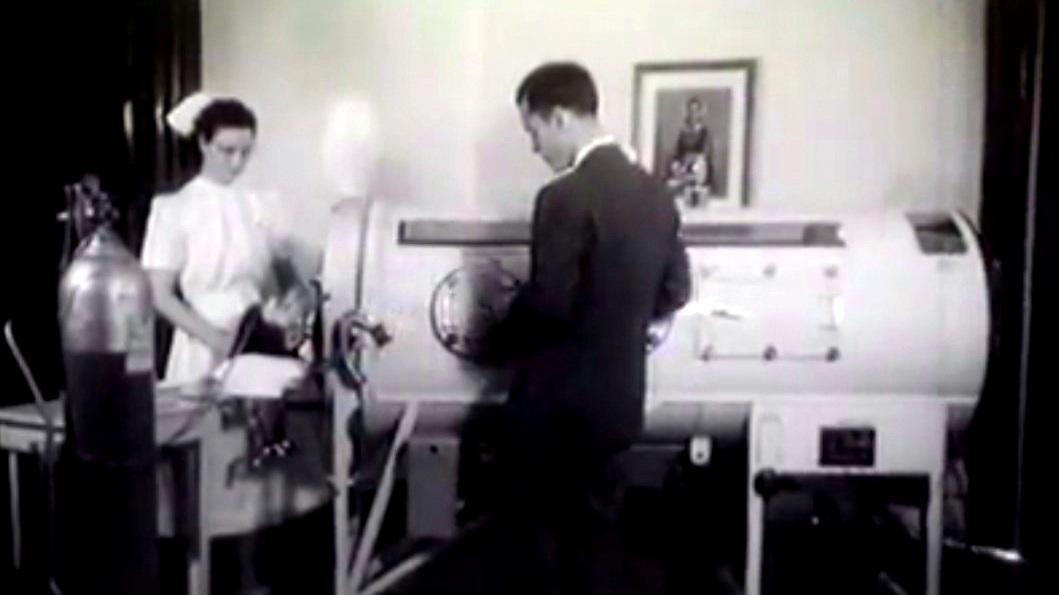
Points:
[391,578]
[1003,555]
[382,497]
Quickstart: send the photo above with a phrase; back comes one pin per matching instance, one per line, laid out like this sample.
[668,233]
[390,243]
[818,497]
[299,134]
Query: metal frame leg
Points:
[342,409]
[16,509]
[199,558]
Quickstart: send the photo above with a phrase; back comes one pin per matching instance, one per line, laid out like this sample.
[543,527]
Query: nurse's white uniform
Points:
[216,238]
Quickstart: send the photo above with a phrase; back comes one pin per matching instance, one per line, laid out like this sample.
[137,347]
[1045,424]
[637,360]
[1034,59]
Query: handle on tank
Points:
[350,334]
[768,483]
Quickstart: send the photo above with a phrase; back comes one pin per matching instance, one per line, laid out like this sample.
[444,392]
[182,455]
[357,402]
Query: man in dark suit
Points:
[606,260]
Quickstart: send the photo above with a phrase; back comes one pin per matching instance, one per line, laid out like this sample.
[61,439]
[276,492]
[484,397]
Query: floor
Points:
[669,544]
[656,549]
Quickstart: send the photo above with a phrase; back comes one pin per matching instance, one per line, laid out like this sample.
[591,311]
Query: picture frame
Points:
[691,129]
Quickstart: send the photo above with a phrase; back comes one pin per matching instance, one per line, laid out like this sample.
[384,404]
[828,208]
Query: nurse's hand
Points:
[220,342]
[176,311]
[289,313]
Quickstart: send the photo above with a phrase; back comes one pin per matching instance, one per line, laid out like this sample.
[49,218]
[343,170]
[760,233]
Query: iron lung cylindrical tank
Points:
[109,500]
[884,304]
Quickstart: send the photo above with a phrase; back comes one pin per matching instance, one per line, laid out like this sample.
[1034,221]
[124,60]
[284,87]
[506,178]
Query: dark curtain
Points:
[1018,231]
[94,86]
[87,85]
[165,62]
[165,59]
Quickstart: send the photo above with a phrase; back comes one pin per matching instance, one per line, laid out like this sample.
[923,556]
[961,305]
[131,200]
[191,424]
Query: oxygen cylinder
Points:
[106,320]
[107,327]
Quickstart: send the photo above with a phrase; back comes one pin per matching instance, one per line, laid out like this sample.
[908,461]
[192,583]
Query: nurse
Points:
[206,249]
[210,256]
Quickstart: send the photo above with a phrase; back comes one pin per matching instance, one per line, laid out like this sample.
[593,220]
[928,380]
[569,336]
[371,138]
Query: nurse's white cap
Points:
[182,117]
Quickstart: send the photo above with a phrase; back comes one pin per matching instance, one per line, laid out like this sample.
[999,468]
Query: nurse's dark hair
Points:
[223,113]
[559,84]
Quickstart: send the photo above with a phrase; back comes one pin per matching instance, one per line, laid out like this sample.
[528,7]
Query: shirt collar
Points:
[599,141]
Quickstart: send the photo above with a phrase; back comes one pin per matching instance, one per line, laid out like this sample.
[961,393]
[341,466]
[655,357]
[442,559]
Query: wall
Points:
[857,104]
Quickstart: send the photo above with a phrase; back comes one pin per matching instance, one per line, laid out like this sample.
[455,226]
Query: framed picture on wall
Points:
[691,129]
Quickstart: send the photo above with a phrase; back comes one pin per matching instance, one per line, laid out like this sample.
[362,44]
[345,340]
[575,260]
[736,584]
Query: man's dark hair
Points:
[224,113]
[559,84]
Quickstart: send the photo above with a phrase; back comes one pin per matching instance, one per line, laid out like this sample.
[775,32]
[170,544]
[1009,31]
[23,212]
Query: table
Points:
[179,421]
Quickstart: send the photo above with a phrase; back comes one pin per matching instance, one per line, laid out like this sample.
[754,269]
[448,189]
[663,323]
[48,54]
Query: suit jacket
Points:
[606,260]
